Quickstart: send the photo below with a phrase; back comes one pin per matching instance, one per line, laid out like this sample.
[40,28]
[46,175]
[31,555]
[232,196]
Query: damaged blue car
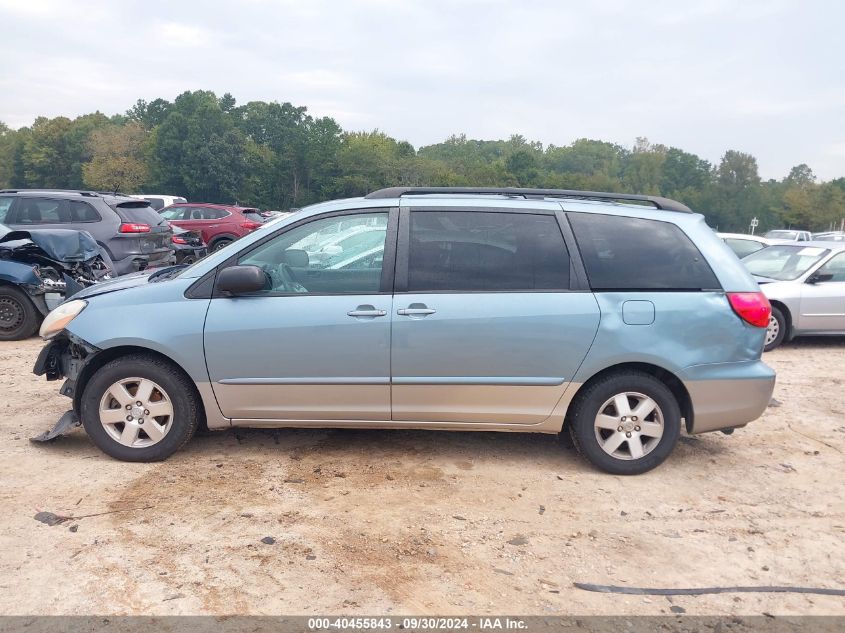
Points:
[41,268]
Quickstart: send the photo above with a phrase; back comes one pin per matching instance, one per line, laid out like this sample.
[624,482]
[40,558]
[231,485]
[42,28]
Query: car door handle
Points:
[416,310]
[366,311]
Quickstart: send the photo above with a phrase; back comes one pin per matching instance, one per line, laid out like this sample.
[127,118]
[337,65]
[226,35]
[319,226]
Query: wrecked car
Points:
[39,269]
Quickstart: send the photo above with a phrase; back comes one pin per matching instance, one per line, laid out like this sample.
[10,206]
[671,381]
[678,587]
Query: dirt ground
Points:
[403,522]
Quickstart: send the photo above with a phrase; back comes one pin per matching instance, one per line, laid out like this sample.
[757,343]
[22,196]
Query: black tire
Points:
[778,321]
[180,391]
[220,243]
[587,408]
[19,318]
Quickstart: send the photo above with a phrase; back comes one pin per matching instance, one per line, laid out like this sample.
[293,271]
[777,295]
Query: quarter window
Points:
[486,251]
[622,253]
[336,255]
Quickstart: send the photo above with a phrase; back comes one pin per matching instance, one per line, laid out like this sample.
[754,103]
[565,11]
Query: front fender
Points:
[18,273]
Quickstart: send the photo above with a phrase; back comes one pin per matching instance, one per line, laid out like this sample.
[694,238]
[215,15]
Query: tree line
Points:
[277,156]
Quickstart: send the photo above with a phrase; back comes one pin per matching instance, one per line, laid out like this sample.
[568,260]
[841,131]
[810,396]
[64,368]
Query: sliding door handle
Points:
[416,310]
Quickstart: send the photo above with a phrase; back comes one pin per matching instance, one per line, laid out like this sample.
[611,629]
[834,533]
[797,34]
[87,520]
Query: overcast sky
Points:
[765,77]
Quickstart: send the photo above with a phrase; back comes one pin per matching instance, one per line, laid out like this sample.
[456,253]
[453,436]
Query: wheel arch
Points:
[672,382]
[112,353]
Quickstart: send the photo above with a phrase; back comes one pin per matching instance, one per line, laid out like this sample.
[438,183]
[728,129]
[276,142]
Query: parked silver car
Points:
[805,284]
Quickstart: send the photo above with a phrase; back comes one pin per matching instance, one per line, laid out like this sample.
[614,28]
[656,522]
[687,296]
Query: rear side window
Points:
[484,251]
[254,215]
[205,213]
[622,253]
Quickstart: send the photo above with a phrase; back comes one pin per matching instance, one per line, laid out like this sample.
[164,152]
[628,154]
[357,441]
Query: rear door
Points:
[489,323]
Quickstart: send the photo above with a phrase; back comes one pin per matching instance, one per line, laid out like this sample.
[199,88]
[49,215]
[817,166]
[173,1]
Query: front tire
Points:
[776,330]
[626,423]
[140,408]
[19,318]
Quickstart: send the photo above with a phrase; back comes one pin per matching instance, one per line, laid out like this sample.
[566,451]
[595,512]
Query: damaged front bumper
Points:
[66,357]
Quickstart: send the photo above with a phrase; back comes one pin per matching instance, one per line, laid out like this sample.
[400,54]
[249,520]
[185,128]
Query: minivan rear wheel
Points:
[140,408]
[626,423]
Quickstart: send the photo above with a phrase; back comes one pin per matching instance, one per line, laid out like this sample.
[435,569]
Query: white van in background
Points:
[158,201]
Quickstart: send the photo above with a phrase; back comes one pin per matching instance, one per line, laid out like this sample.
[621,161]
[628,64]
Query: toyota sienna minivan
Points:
[619,319]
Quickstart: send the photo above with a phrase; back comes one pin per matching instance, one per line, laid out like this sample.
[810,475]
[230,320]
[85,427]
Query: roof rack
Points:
[81,192]
[664,204]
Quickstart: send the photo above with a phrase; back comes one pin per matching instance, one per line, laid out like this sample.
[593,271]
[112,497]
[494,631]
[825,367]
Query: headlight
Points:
[58,319]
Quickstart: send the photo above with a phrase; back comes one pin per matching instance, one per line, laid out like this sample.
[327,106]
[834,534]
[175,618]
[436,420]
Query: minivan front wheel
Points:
[626,423]
[139,408]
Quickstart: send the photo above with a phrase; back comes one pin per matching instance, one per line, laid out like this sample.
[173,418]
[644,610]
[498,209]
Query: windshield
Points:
[782,235]
[783,263]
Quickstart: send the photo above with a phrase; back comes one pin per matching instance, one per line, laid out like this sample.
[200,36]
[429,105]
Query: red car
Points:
[219,224]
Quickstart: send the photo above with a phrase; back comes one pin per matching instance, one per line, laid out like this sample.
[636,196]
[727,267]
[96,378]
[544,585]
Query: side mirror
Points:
[296,257]
[238,280]
[819,277]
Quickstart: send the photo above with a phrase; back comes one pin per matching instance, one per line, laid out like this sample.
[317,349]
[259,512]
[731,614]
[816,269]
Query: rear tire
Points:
[19,319]
[221,243]
[776,331]
[626,423]
[166,419]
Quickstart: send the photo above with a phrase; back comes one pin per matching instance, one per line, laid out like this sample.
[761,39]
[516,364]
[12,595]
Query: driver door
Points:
[315,343]
[823,302]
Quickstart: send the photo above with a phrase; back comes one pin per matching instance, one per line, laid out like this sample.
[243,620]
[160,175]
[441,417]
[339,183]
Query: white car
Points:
[158,201]
[743,245]
[788,235]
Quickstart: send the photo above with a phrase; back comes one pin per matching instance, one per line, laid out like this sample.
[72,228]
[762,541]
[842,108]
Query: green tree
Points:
[117,158]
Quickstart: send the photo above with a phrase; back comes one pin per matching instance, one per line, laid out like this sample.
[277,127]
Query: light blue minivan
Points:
[616,318]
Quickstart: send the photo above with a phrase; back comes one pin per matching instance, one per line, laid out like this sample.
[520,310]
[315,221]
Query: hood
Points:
[63,245]
[130,281]
[112,285]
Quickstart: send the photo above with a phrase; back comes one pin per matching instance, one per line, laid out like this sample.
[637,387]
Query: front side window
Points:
[622,253]
[784,262]
[486,251]
[319,257]
[835,267]
[5,205]
[38,211]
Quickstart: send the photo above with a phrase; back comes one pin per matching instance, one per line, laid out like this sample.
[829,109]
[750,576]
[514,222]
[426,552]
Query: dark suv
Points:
[133,234]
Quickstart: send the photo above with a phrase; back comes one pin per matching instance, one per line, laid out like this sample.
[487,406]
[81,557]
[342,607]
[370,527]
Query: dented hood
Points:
[63,245]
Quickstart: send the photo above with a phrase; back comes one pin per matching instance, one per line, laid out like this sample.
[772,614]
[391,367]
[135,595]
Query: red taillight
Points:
[752,307]
[249,225]
[133,227]
[179,240]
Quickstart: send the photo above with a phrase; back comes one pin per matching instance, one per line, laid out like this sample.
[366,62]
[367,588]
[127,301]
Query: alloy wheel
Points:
[136,412]
[629,425]
[772,330]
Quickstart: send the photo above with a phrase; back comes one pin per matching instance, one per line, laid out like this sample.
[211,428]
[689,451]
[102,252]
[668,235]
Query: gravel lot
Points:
[401,522]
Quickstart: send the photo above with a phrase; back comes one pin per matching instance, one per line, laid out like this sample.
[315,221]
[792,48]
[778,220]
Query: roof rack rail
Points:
[664,204]
[81,192]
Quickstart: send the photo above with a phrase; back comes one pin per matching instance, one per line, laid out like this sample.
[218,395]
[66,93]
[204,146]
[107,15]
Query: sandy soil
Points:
[369,522]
